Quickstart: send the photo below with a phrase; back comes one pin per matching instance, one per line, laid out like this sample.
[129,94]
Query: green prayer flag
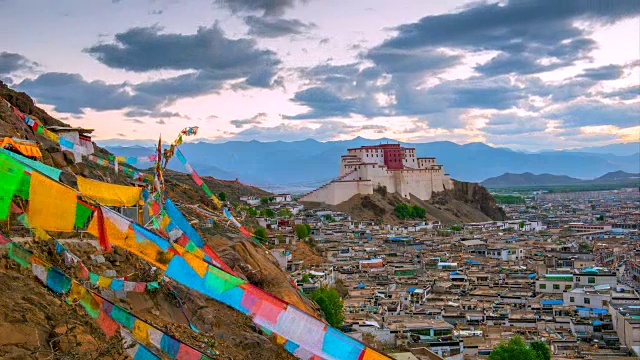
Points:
[12,173]
[82,215]
[153,285]
[206,189]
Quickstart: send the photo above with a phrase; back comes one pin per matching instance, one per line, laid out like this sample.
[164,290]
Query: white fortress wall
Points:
[336,192]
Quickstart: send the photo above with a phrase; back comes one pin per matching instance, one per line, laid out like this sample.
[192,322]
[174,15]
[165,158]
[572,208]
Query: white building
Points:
[392,166]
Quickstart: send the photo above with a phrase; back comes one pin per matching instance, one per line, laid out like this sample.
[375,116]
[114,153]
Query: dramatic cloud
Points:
[529,36]
[609,72]
[208,50]
[275,27]
[264,7]
[12,62]
[256,119]
[211,59]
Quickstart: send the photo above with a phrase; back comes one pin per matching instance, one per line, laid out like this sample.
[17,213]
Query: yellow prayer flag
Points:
[104,281]
[141,332]
[109,194]
[52,136]
[52,206]
[198,265]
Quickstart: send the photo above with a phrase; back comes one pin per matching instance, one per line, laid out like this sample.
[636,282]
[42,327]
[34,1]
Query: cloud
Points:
[628,93]
[135,121]
[378,129]
[328,130]
[275,27]
[160,122]
[272,8]
[145,49]
[609,72]
[256,119]
[513,124]
[594,113]
[323,104]
[400,61]
[12,62]
[156,114]
[70,93]
[529,36]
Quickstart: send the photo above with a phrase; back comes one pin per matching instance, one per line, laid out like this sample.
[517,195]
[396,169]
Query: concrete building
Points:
[554,283]
[392,166]
[592,277]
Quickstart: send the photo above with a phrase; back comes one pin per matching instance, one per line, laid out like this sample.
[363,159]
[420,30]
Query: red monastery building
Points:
[365,168]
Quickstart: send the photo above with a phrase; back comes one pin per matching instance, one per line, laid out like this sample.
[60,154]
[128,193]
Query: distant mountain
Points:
[617,175]
[309,163]
[527,179]
[615,149]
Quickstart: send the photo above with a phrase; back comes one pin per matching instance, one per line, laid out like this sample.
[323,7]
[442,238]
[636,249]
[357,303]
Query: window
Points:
[591,280]
[577,278]
[556,286]
[587,301]
[572,299]
[543,286]
[567,287]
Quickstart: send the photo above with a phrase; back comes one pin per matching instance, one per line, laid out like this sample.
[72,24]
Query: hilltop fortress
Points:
[365,168]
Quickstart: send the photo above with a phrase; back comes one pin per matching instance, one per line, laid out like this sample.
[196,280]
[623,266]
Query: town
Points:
[564,268]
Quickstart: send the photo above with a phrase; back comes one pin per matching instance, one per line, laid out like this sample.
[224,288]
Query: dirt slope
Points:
[467,202]
[33,315]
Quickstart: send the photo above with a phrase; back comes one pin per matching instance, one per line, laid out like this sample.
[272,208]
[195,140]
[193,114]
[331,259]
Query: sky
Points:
[528,75]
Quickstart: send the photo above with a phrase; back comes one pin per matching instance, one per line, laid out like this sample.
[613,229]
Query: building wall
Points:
[339,191]
[548,288]
[596,301]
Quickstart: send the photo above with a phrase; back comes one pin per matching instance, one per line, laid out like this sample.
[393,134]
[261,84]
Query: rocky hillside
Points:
[467,202]
[35,323]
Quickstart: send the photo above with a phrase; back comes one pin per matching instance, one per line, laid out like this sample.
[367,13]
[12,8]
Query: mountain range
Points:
[529,179]
[308,163]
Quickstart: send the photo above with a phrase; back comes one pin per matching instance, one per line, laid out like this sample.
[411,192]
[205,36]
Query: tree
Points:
[222,196]
[301,231]
[542,349]
[329,218]
[455,228]
[403,211]
[260,233]
[285,213]
[517,349]
[267,213]
[330,304]
[308,228]
[418,212]
[305,278]
[264,200]
[252,212]
[601,217]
